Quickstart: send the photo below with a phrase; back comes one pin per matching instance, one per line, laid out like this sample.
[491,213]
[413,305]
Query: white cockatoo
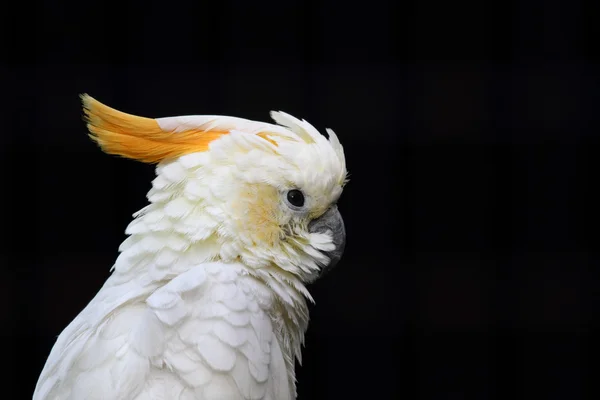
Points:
[207,298]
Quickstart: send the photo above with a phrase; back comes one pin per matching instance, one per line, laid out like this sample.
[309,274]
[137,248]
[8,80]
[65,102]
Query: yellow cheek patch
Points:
[257,211]
[140,138]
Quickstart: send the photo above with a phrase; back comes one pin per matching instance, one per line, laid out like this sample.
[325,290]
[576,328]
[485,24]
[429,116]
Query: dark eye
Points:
[296,198]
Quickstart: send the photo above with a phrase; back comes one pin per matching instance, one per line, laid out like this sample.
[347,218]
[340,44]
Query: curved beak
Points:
[331,221]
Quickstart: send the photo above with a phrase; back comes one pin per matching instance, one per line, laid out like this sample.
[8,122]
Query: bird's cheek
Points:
[256,214]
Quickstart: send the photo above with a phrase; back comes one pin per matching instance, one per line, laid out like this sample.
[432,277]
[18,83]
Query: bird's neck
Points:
[161,247]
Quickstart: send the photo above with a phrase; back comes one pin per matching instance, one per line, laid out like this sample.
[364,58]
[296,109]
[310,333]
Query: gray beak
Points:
[331,221]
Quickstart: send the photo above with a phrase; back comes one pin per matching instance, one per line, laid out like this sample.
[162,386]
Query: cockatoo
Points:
[207,298]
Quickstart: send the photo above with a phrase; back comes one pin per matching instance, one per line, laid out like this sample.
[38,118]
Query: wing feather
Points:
[206,334]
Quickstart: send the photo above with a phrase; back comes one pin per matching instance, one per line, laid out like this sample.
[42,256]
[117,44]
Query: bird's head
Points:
[260,193]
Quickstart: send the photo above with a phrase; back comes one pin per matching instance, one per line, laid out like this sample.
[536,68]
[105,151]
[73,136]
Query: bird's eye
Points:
[296,198]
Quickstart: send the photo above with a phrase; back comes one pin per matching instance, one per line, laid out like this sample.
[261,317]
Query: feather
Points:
[220,388]
[236,318]
[250,388]
[179,208]
[218,355]
[228,334]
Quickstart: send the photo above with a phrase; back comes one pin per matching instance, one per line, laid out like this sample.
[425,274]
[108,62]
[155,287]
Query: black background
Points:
[471,135]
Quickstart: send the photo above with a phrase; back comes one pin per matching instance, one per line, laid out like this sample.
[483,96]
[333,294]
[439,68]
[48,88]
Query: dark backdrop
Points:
[471,136]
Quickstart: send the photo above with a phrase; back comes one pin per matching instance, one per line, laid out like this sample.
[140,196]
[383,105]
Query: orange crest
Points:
[141,138]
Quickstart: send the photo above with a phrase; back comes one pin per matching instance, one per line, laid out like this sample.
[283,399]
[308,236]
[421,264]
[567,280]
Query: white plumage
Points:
[207,298]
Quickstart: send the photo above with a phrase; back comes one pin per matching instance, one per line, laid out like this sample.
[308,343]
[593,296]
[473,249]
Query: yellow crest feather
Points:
[140,138]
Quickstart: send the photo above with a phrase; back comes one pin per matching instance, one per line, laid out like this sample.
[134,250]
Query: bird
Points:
[208,296]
